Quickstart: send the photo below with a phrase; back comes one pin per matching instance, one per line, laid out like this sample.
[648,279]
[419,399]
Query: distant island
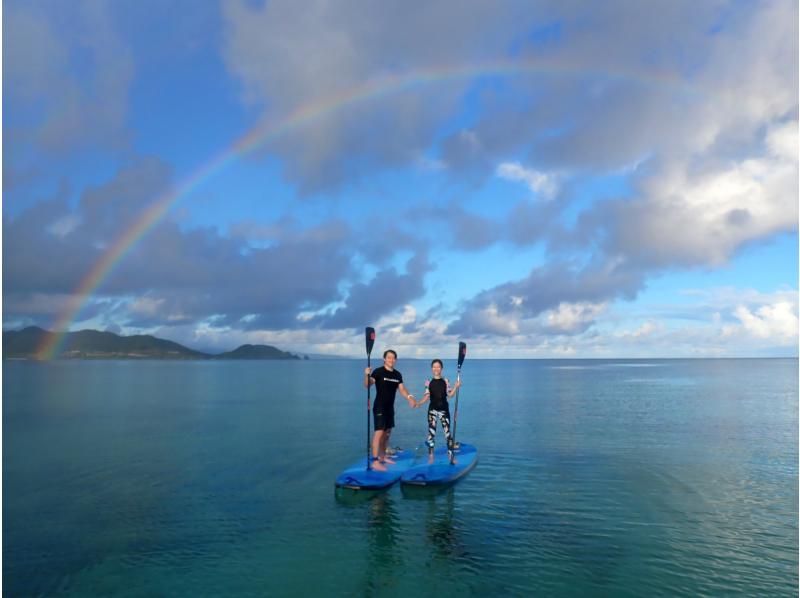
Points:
[94,344]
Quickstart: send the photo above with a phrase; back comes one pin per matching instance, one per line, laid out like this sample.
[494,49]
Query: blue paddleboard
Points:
[358,477]
[441,471]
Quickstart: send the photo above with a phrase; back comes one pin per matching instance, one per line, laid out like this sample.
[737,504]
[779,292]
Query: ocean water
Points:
[616,478]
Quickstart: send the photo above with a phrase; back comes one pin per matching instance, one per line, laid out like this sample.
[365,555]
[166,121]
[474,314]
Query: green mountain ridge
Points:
[95,344]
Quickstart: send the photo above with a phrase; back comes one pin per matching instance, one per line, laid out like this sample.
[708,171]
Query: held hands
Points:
[415,402]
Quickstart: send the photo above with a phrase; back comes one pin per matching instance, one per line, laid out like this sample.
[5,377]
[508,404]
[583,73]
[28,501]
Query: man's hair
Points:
[392,351]
[439,361]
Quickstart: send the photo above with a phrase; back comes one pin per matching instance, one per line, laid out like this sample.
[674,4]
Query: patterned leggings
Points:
[444,417]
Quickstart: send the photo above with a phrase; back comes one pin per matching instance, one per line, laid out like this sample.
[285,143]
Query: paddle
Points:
[462,353]
[370,337]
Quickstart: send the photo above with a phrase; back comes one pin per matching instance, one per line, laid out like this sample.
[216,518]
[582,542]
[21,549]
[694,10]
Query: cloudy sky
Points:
[539,179]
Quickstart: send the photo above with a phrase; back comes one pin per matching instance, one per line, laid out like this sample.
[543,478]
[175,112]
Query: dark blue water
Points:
[618,478]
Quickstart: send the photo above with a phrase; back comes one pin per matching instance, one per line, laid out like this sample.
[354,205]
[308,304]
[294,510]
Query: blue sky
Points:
[603,180]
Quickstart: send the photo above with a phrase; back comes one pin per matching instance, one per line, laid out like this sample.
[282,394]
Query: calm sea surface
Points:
[617,478]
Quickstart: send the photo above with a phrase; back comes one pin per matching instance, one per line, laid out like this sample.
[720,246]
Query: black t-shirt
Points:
[386,384]
[438,389]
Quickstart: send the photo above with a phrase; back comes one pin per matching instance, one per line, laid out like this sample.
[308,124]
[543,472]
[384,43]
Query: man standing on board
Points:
[387,381]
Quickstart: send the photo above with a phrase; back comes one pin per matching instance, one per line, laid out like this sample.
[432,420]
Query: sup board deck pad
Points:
[441,471]
[358,477]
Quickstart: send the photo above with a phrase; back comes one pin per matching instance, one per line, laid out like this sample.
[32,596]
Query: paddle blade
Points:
[462,353]
[370,336]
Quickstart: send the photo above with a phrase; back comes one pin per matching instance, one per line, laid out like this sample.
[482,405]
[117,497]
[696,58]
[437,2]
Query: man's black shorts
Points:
[383,416]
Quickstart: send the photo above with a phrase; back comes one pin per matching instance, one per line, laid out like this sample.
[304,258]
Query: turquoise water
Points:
[618,478]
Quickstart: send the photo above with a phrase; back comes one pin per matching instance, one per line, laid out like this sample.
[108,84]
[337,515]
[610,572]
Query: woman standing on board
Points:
[437,389]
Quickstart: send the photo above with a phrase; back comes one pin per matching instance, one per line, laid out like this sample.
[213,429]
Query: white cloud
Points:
[63,226]
[737,322]
[156,308]
[572,317]
[492,321]
[647,330]
[542,184]
[146,306]
[782,141]
[775,322]
[692,216]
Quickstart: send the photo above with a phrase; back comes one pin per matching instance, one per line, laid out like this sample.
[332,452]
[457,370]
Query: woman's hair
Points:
[439,361]
[392,351]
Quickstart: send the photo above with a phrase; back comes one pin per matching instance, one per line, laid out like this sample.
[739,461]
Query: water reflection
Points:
[353,498]
[441,527]
[385,556]
[443,530]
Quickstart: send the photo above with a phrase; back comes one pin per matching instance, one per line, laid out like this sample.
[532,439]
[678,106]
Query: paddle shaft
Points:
[455,416]
[369,398]
[369,334]
[462,354]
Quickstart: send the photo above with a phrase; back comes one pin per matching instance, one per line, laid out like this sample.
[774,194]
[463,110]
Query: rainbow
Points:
[268,131]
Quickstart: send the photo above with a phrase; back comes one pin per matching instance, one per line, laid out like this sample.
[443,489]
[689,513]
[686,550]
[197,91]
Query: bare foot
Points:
[453,461]
[388,460]
[430,459]
[378,466]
